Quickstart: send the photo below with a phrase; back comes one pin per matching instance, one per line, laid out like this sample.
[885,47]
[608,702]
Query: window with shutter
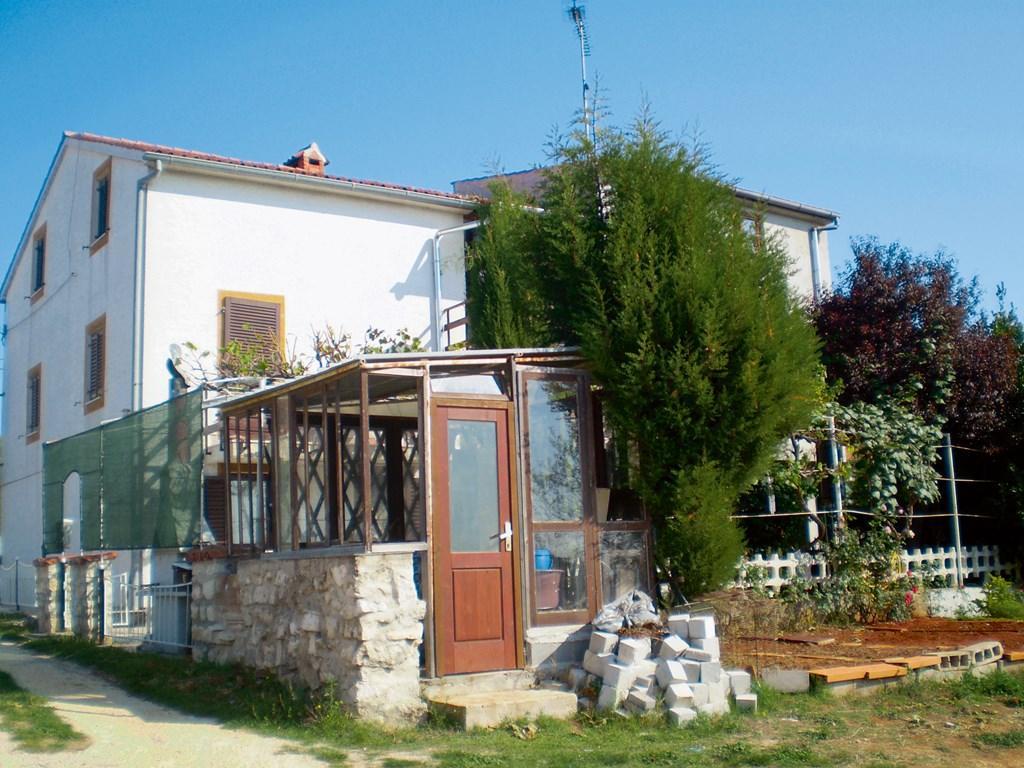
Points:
[100,207]
[95,363]
[34,401]
[253,323]
[38,263]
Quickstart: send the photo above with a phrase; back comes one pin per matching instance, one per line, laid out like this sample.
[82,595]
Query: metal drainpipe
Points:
[435,325]
[141,201]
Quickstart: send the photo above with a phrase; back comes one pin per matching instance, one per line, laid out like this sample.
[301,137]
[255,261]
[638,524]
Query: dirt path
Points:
[129,732]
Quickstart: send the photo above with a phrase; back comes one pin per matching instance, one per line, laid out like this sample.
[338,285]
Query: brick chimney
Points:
[309,159]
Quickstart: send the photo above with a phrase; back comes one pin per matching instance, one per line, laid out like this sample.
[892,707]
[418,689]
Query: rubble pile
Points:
[682,669]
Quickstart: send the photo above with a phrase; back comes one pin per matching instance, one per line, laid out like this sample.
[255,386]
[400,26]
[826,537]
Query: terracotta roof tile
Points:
[143,146]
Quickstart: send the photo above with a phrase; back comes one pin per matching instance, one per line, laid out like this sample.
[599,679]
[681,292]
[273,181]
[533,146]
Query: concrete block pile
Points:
[681,671]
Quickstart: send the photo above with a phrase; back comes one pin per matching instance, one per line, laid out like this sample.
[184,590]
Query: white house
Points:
[132,247]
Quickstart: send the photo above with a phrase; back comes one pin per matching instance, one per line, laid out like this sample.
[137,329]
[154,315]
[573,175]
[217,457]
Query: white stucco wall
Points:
[795,235]
[338,259]
[79,287]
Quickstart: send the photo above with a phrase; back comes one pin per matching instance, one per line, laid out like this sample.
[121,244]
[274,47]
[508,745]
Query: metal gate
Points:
[150,615]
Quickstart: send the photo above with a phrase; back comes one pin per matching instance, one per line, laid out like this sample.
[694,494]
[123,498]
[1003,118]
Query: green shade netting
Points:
[140,480]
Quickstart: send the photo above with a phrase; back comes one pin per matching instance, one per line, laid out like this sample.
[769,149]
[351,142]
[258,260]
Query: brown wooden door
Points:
[472,530]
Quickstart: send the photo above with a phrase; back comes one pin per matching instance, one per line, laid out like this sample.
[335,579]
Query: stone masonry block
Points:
[702,626]
[669,672]
[746,702]
[608,698]
[647,684]
[739,681]
[620,676]
[714,708]
[679,695]
[700,693]
[634,649]
[681,715]
[637,701]
[603,642]
[679,623]
[672,646]
[646,667]
[696,654]
[717,692]
[692,670]
[709,644]
[597,663]
[710,672]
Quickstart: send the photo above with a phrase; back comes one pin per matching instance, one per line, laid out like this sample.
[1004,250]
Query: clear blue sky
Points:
[906,117]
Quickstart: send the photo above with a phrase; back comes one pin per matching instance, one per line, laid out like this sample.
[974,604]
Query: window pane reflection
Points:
[556,485]
[560,571]
[623,564]
[473,485]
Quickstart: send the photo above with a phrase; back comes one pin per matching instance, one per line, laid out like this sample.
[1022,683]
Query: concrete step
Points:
[479,682]
[489,709]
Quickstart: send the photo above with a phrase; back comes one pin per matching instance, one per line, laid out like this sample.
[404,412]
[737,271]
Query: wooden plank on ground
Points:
[914,662]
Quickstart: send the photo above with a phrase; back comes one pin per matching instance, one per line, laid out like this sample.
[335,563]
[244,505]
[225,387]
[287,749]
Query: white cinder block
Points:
[717,693]
[597,663]
[746,702]
[696,654]
[603,642]
[710,672]
[634,649]
[679,623]
[647,684]
[702,626]
[681,715]
[700,693]
[692,670]
[646,667]
[679,695]
[608,698]
[717,708]
[739,681]
[576,678]
[672,646]
[709,644]
[620,676]
[638,701]
[670,671]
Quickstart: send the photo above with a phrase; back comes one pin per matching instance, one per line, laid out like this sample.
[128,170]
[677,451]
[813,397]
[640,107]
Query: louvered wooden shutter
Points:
[94,385]
[215,507]
[255,324]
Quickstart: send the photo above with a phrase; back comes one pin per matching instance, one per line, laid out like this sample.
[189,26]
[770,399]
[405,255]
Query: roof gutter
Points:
[435,320]
[215,168]
[790,206]
[138,295]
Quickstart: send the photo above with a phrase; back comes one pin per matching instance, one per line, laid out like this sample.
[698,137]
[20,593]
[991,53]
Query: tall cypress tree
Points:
[640,256]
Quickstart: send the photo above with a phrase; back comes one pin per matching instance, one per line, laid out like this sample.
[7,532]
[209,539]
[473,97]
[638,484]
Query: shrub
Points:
[1001,600]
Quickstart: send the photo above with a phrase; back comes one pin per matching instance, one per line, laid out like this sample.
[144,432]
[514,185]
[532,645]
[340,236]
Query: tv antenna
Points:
[577,15]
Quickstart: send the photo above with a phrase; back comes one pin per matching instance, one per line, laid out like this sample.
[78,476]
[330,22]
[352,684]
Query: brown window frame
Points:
[94,399]
[98,236]
[32,430]
[588,525]
[37,276]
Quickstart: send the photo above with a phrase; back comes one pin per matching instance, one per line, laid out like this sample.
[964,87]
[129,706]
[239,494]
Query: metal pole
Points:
[833,463]
[17,580]
[947,451]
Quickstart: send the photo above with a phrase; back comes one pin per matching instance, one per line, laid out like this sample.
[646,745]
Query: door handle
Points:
[507,536]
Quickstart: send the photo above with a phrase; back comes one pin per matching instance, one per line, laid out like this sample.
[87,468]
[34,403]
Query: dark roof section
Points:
[159,149]
[529,182]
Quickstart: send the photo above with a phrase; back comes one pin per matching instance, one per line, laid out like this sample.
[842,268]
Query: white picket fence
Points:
[17,586]
[979,562]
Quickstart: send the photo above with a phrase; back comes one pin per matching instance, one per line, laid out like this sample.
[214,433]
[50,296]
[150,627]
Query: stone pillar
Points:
[85,581]
[389,620]
[47,598]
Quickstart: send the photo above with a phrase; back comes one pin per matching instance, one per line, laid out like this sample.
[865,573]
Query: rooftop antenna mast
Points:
[577,14]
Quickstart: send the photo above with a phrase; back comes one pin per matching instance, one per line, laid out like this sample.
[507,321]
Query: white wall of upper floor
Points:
[342,260]
[795,235]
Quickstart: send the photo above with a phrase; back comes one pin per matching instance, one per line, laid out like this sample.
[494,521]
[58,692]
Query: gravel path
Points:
[129,732]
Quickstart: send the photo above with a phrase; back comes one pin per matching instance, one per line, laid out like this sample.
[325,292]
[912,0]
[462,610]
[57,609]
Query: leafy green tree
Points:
[705,358]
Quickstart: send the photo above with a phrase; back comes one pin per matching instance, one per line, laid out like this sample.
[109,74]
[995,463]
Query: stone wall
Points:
[351,621]
[80,593]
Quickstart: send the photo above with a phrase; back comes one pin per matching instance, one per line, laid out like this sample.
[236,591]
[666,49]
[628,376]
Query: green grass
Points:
[33,725]
[789,730]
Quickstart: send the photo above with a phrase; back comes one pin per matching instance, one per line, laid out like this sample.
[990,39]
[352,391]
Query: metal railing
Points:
[150,614]
[453,318]
[18,585]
